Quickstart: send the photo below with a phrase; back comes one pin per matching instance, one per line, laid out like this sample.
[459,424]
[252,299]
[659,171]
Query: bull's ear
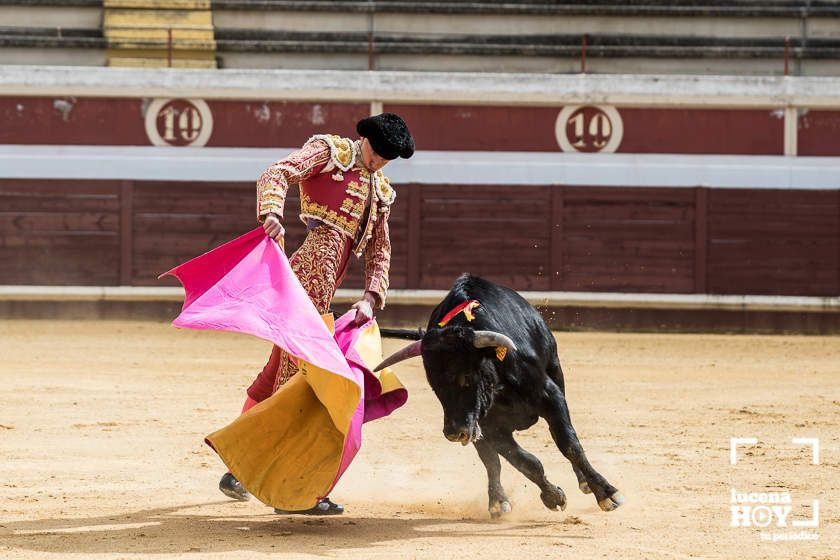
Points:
[410,351]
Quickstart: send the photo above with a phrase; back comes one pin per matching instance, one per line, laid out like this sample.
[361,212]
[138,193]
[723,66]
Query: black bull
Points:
[486,398]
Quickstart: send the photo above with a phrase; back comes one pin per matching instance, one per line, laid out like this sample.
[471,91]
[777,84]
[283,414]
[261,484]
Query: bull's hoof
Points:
[552,497]
[584,487]
[611,503]
[499,509]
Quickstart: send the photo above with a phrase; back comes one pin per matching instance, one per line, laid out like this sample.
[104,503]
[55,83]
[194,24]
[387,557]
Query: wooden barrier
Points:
[557,238]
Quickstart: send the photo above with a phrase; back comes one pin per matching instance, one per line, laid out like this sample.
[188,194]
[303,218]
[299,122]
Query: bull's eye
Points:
[462,380]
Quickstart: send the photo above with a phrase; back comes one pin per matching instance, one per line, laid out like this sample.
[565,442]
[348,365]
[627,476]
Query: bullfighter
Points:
[345,202]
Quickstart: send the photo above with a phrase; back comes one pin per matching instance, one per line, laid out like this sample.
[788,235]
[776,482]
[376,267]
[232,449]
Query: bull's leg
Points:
[551,495]
[499,503]
[582,484]
[560,424]
[555,372]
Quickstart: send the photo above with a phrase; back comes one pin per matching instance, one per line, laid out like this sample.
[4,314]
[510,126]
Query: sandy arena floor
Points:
[101,428]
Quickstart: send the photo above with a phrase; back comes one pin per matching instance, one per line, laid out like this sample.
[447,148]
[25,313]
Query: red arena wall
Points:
[566,238]
[644,131]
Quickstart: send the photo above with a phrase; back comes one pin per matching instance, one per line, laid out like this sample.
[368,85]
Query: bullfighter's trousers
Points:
[319,264]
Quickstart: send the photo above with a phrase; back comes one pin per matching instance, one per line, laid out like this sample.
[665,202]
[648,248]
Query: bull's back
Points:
[502,310]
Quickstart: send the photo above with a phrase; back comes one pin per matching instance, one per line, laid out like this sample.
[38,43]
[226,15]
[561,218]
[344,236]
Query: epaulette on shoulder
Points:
[342,150]
[384,191]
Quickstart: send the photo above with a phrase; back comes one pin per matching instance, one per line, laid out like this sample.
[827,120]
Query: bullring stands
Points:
[646,36]
[176,33]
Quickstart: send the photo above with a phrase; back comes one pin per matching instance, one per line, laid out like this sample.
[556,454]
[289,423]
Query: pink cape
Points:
[248,286]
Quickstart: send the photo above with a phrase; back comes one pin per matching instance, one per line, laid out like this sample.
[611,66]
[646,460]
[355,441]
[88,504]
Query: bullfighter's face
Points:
[371,160]
[462,380]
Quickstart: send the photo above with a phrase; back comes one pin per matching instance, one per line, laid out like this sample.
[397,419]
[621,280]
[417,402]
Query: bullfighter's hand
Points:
[364,309]
[273,228]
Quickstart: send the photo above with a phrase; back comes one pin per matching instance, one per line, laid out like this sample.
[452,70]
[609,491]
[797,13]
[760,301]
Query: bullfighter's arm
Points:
[273,184]
[378,260]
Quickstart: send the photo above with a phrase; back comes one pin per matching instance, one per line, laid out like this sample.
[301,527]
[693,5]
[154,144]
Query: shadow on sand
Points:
[180,529]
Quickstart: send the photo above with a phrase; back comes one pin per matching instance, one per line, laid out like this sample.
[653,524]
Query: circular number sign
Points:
[179,122]
[589,128]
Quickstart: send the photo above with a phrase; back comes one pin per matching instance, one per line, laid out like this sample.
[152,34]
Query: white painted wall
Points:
[427,87]
[432,167]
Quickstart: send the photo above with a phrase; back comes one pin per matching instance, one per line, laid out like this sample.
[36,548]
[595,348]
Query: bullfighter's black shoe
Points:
[232,488]
[324,507]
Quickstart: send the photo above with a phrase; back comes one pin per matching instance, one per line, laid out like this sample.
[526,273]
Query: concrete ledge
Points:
[565,311]
[51,38]
[90,293]
[718,8]
[433,297]
[616,45]
[426,87]
[51,3]
[77,57]
[71,14]
[732,8]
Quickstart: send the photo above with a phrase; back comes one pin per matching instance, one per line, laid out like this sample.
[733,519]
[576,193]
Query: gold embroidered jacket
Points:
[337,189]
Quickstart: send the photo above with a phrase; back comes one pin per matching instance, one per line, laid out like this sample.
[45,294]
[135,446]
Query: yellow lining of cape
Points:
[287,449]
[369,347]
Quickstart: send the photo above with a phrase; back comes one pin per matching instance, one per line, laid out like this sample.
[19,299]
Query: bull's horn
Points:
[407,352]
[485,339]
